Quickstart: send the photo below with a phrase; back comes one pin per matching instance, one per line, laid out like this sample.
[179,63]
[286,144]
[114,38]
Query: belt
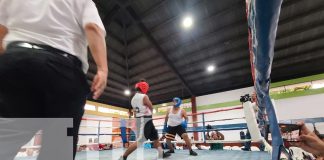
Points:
[144,117]
[48,49]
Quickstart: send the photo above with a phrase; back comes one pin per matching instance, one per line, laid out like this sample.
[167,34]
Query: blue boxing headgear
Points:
[177,101]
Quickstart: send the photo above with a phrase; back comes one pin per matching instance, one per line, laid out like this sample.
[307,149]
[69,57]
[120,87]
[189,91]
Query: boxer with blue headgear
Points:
[176,124]
[177,101]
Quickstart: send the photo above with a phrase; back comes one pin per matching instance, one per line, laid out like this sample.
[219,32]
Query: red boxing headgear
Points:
[143,86]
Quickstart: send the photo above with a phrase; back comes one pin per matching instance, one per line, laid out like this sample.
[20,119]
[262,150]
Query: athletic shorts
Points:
[145,129]
[173,131]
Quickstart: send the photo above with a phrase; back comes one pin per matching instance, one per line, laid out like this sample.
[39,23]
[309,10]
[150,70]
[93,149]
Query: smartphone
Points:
[290,132]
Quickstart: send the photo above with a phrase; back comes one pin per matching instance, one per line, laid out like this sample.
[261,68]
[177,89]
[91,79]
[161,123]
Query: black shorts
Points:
[175,130]
[145,128]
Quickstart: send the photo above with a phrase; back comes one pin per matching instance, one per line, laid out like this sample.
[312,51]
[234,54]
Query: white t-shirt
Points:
[139,107]
[174,119]
[57,23]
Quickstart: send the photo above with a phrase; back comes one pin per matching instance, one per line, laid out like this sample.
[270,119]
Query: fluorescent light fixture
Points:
[318,86]
[90,107]
[103,110]
[187,22]
[127,92]
[210,68]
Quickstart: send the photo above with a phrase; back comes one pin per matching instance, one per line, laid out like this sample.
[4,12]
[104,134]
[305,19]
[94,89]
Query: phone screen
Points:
[290,132]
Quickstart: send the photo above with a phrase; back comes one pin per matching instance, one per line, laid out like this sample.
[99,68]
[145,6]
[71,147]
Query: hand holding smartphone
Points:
[290,132]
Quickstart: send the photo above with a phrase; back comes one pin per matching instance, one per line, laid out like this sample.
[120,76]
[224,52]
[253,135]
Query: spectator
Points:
[216,135]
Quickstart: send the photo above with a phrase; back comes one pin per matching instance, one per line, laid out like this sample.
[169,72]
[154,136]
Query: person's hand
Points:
[184,124]
[309,142]
[312,144]
[165,128]
[99,83]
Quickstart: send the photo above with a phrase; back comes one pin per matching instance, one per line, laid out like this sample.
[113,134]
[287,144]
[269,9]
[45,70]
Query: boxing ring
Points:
[103,130]
[232,147]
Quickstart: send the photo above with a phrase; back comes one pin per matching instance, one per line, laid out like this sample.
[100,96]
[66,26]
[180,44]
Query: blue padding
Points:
[237,126]
[263,17]
[306,120]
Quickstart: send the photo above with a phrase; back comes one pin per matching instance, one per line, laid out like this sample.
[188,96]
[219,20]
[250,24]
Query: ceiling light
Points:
[210,68]
[127,92]
[90,107]
[187,22]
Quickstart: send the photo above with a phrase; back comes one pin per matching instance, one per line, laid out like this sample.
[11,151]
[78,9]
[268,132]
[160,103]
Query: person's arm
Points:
[130,112]
[148,103]
[97,45]
[3,33]
[184,115]
[221,136]
[166,116]
[165,125]
[207,136]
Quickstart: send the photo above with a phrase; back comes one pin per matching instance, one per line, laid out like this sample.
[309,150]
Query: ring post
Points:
[98,131]
[203,118]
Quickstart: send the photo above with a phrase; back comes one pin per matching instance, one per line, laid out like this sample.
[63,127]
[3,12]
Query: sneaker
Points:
[165,155]
[170,151]
[122,158]
[193,153]
[245,149]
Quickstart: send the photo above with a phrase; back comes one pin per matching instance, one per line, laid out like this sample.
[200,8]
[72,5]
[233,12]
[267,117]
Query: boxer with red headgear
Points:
[143,107]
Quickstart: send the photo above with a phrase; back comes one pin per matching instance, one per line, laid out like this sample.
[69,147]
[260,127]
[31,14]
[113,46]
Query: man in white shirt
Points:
[43,61]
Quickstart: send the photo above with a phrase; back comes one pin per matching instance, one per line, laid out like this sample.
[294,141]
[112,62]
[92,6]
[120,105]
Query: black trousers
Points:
[39,84]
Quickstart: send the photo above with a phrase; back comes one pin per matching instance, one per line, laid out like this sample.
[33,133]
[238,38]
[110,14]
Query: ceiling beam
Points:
[281,61]
[171,88]
[298,42]
[231,8]
[225,28]
[163,77]
[298,70]
[238,24]
[317,8]
[171,19]
[215,49]
[152,73]
[113,68]
[238,71]
[299,29]
[229,57]
[300,58]
[289,3]
[144,67]
[137,20]
[113,37]
[154,8]
[167,97]
[225,85]
[111,15]
[306,47]
[213,46]
[164,85]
